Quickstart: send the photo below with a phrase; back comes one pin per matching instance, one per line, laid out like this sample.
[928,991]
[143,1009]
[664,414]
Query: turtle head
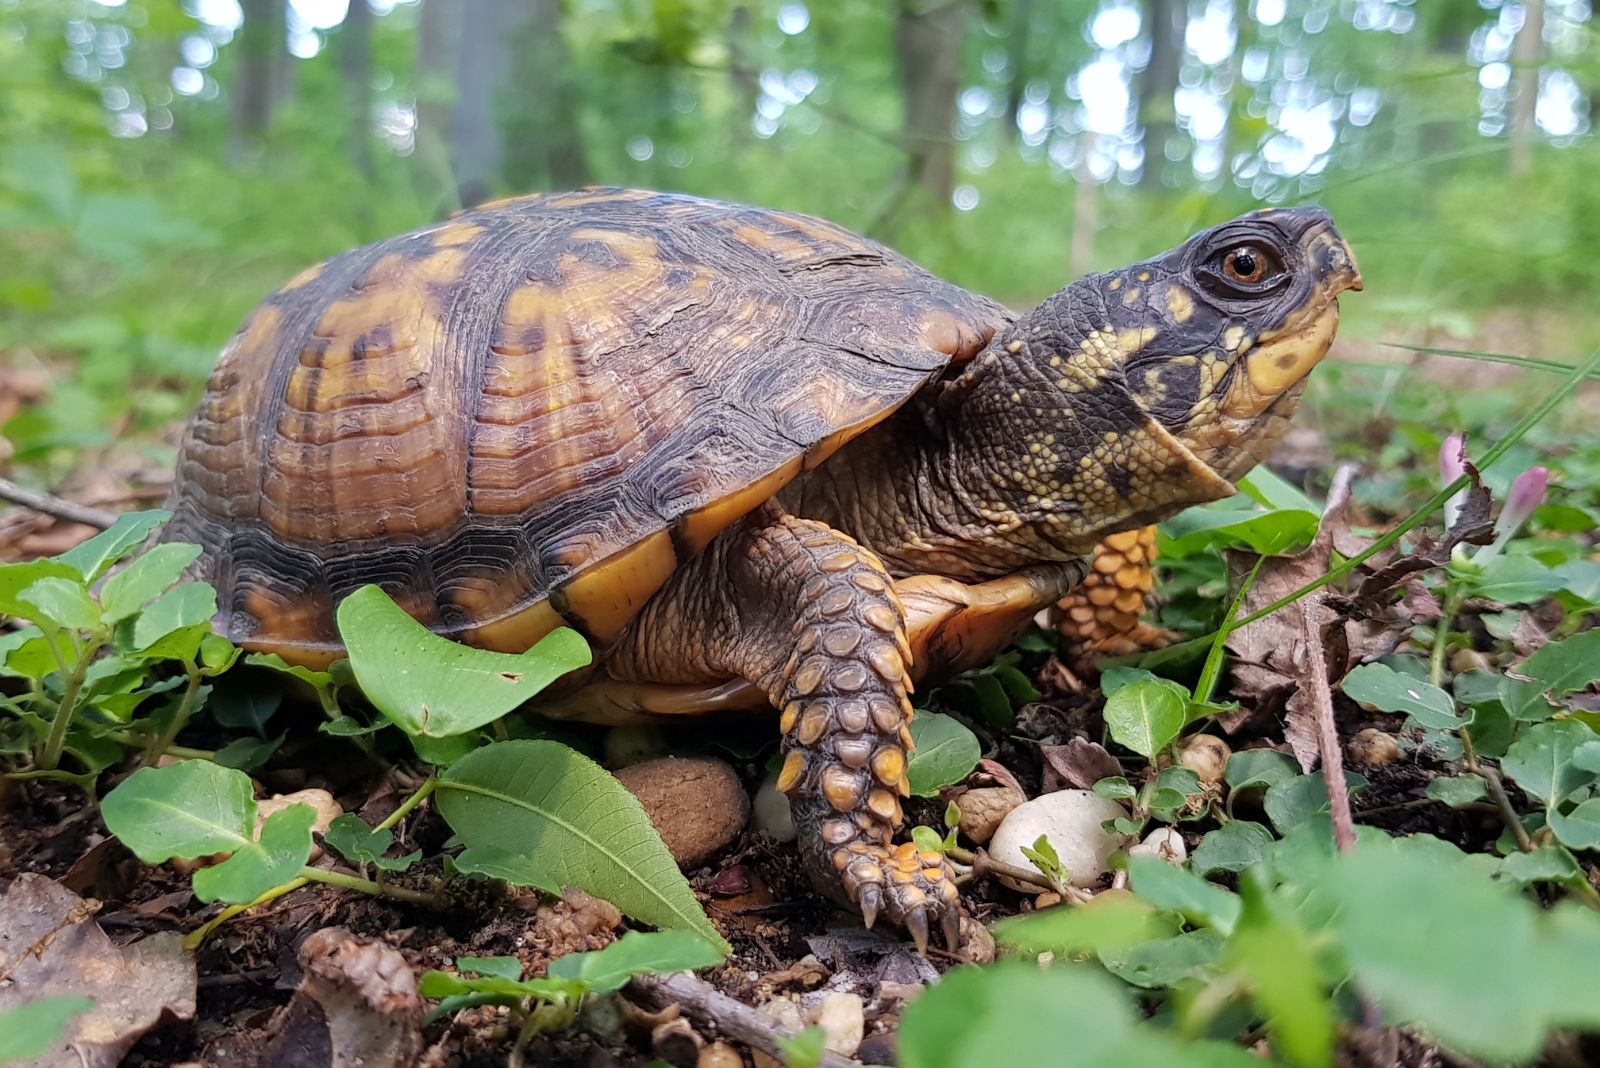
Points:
[1216,337]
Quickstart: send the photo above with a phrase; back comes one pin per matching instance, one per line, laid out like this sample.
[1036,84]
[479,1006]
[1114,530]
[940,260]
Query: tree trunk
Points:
[742,76]
[538,109]
[355,67]
[928,37]
[434,84]
[482,66]
[260,42]
[1165,21]
[1017,63]
[1526,54]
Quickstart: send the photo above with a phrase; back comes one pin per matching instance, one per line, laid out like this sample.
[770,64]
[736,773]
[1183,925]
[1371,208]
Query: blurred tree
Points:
[260,44]
[355,68]
[1165,22]
[928,35]
[434,86]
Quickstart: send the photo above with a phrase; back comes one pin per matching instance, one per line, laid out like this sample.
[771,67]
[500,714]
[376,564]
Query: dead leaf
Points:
[1078,765]
[50,945]
[356,1005]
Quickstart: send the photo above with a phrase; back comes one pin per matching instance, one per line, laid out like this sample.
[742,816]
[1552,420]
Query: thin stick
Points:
[55,506]
[707,1005]
[1344,826]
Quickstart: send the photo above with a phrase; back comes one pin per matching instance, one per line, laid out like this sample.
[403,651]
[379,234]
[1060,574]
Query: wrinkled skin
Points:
[1115,403]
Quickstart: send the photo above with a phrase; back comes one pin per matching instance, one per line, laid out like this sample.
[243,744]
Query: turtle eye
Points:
[1245,270]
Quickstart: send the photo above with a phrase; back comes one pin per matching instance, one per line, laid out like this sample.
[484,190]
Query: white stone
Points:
[843,1019]
[1071,820]
[1163,843]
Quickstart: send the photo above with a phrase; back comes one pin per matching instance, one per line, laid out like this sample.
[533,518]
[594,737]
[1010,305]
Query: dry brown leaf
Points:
[50,945]
[1078,765]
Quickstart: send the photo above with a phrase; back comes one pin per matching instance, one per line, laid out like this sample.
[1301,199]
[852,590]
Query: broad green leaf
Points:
[146,578]
[190,809]
[943,751]
[1587,756]
[439,985]
[440,752]
[1116,787]
[1546,864]
[1146,716]
[1236,522]
[1271,490]
[1515,580]
[1579,829]
[1117,676]
[518,869]
[361,843]
[804,1050]
[432,686]
[1250,768]
[317,680]
[14,578]
[1541,760]
[1106,923]
[59,603]
[1233,847]
[1457,790]
[94,558]
[1181,890]
[32,1029]
[247,754]
[1294,801]
[568,817]
[275,858]
[1384,688]
[1558,669]
[1416,934]
[188,607]
[25,654]
[636,953]
[1164,962]
[1280,965]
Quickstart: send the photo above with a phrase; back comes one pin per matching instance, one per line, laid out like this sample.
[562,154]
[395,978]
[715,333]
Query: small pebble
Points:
[719,1055]
[843,1018]
[772,812]
[697,805]
[1207,756]
[1372,746]
[1163,843]
[1071,820]
[983,809]
[977,944]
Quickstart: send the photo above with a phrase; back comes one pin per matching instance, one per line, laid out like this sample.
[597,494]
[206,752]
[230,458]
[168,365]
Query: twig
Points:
[55,506]
[1344,827]
[705,1004]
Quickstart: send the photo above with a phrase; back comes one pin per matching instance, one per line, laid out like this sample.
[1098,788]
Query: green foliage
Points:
[944,752]
[1146,715]
[30,1030]
[361,844]
[540,814]
[428,685]
[1381,687]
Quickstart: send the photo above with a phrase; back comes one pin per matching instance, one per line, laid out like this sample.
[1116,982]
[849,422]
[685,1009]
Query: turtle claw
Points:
[917,924]
[871,901]
[950,925]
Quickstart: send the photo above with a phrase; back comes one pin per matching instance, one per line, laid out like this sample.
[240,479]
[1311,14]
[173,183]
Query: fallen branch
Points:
[55,506]
[1316,612]
[708,1006]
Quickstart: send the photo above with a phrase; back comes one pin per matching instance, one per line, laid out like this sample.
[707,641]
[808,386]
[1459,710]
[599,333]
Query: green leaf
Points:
[243,704]
[637,953]
[317,680]
[428,685]
[1265,768]
[1146,716]
[1233,523]
[361,843]
[1281,968]
[804,1050]
[1546,864]
[1233,847]
[30,1030]
[1116,788]
[1164,962]
[569,818]
[440,985]
[1181,890]
[1457,791]
[94,557]
[499,967]
[1541,760]
[246,754]
[1294,801]
[57,602]
[1558,669]
[146,578]
[187,607]
[274,859]
[190,809]
[1106,923]
[1382,687]
[1515,580]
[14,578]
[943,751]
[1579,829]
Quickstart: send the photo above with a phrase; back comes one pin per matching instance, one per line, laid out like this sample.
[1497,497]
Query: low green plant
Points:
[28,1031]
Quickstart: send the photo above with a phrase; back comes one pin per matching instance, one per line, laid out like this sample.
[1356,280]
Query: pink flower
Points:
[1452,465]
[1527,494]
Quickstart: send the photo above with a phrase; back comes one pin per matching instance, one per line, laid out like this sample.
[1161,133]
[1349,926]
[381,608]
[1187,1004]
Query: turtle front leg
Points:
[811,618]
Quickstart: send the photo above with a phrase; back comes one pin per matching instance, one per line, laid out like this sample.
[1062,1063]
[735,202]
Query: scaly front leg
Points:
[811,618]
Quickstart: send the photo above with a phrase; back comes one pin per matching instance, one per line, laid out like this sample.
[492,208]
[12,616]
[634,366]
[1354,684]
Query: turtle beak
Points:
[1335,264]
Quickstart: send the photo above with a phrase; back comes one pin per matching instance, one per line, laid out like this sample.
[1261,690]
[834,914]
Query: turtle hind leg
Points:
[812,619]
[1103,616]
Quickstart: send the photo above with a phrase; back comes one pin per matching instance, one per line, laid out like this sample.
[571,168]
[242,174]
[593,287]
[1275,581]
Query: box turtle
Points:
[756,459]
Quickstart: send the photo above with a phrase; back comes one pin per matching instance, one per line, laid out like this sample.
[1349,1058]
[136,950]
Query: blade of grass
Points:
[1531,363]
[1575,376]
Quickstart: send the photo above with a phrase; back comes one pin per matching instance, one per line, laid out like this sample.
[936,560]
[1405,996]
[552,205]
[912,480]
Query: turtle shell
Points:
[529,414]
